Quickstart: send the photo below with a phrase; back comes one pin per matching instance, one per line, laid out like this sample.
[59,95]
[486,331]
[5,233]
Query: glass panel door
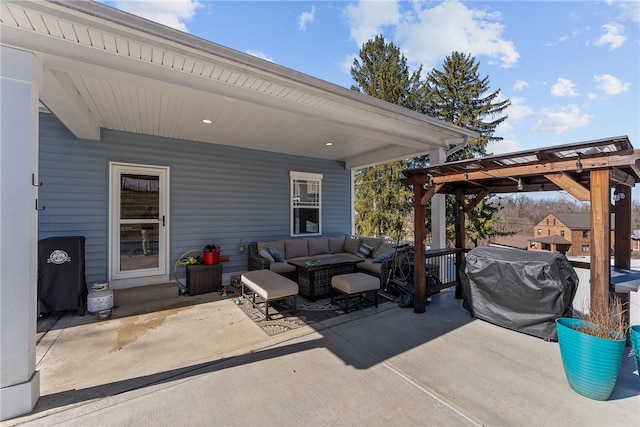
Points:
[139,221]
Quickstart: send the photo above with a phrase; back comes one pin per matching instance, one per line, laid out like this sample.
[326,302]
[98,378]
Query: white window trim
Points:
[295,175]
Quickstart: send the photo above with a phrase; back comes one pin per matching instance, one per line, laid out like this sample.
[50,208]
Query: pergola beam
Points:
[570,185]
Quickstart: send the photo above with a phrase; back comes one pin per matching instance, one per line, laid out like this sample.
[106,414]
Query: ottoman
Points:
[355,286]
[269,286]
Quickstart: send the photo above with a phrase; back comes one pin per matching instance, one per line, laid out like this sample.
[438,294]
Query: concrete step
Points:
[144,294]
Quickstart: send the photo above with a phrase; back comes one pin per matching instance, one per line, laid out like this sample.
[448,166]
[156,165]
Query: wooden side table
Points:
[203,278]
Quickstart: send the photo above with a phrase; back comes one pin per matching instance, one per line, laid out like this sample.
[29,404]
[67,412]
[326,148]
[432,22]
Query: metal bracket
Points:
[39,209]
[33,181]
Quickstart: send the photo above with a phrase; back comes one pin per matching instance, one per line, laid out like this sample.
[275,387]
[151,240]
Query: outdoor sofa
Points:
[376,254]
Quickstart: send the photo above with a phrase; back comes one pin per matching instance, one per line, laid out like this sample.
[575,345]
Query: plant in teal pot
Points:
[634,333]
[592,348]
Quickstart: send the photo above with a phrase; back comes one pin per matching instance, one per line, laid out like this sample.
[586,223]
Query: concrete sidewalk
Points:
[208,364]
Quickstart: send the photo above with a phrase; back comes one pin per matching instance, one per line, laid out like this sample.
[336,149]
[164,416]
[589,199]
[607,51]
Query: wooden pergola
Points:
[586,170]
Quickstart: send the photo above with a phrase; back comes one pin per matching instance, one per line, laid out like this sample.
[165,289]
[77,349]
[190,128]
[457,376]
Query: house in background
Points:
[565,232]
[517,241]
[113,125]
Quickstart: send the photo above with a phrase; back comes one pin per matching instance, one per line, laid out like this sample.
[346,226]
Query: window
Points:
[306,192]
[547,221]
[561,233]
[585,248]
[585,234]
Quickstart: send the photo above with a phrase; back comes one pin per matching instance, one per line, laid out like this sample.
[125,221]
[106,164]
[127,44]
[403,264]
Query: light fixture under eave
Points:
[579,166]
[206,121]
[520,186]
[328,144]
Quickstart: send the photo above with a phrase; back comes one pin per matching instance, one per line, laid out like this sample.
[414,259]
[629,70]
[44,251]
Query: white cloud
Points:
[172,13]
[520,85]
[259,54]
[518,110]
[574,33]
[507,145]
[428,35]
[630,9]
[611,85]
[306,18]
[367,18]
[564,87]
[561,120]
[613,36]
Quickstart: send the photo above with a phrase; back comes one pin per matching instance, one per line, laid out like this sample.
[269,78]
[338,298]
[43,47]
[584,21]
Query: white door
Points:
[139,220]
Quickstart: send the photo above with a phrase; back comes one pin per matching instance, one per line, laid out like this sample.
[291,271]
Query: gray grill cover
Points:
[520,290]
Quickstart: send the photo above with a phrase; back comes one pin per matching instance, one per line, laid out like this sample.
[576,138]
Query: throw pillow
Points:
[382,257]
[266,255]
[277,256]
[365,250]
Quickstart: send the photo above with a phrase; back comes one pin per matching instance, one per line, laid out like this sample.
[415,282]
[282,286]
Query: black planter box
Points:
[202,279]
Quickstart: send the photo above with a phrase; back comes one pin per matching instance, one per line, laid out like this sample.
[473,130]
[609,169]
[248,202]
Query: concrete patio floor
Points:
[208,364]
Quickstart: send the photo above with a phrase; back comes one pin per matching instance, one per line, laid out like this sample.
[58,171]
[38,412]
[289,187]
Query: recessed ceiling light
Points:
[328,144]
[207,121]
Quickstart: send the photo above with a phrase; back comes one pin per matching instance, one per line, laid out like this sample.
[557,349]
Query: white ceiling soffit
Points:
[104,68]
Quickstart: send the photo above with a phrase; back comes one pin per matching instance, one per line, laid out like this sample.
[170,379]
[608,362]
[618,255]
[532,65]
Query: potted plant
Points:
[211,255]
[592,348]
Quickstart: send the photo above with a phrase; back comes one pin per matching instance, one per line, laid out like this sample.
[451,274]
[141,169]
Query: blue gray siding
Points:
[219,194]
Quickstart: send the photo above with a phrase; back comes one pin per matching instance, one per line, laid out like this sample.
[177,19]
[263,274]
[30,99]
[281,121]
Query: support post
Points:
[600,235]
[20,82]
[459,216]
[419,279]
[622,227]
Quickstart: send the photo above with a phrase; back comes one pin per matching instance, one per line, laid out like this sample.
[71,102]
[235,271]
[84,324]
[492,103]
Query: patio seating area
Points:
[206,364]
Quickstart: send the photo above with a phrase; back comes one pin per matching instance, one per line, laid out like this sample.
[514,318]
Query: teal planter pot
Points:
[591,364]
[634,332]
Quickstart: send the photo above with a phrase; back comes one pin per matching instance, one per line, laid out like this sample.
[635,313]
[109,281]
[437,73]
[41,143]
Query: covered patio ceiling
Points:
[587,170]
[104,68]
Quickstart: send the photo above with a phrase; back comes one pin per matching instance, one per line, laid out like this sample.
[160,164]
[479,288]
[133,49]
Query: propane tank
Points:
[100,300]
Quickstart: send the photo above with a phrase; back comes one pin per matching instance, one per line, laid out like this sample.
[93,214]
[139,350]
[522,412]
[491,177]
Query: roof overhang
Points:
[104,68]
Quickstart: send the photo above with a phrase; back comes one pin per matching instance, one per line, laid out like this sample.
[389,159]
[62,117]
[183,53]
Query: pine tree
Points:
[456,94]
[459,96]
[382,203]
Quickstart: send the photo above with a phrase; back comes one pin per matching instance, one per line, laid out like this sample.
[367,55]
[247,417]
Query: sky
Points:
[571,69]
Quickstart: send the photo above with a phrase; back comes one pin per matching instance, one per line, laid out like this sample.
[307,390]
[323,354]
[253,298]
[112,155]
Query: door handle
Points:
[162,220]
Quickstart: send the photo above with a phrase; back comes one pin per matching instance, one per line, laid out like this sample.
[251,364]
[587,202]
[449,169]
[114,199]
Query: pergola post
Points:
[419,278]
[459,216]
[600,235]
[622,210]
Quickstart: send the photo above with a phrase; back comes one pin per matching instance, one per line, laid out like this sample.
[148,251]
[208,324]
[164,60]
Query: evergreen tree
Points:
[456,94]
[459,96]
[382,203]
[481,223]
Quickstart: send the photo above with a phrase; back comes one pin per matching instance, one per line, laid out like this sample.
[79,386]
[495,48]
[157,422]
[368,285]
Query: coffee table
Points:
[314,274]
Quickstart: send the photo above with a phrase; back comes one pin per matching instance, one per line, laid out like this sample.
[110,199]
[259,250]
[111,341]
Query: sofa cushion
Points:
[365,250]
[295,248]
[374,242]
[281,267]
[383,256]
[352,245]
[318,246]
[336,244]
[276,254]
[370,267]
[277,244]
[264,253]
[385,247]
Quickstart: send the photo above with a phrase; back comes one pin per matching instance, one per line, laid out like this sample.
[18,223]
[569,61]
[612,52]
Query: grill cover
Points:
[520,290]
